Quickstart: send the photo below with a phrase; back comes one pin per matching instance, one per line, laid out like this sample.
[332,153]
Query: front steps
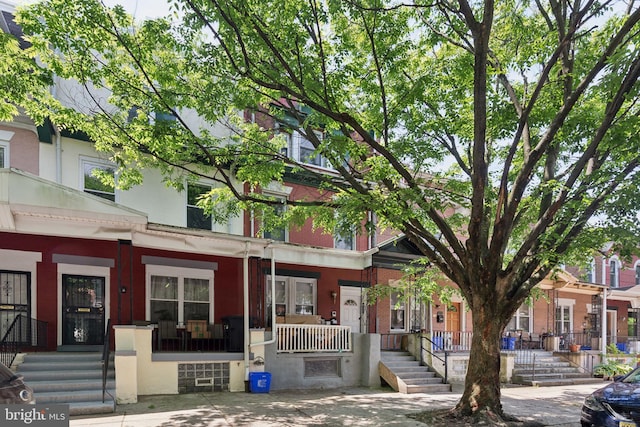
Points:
[548,370]
[70,378]
[405,374]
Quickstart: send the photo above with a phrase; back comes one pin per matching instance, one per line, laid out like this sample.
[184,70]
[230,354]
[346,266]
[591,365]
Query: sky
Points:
[140,9]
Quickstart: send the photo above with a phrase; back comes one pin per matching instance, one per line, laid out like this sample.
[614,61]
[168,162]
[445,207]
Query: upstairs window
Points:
[345,241]
[278,233]
[92,182]
[638,273]
[4,156]
[613,273]
[196,217]
[302,150]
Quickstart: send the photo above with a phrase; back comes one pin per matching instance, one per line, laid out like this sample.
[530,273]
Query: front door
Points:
[453,322]
[82,309]
[15,300]
[350,304]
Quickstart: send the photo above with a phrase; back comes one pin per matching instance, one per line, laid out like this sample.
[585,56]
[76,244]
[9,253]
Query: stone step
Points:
[73,378]
[429,388]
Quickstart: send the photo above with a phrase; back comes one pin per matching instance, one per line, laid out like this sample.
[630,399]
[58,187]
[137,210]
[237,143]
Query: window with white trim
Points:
[280,234]
[302,150]
[398,313]
[93,173]
[4,155]
[637,273]
[196,216]
[179,294]
[521,320]
[564,317]
[614,273]
[345,240]
[293,295]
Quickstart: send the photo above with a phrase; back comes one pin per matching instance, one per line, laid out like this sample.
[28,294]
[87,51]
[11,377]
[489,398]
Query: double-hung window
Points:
[302,150]
[179,294]
[196,217]
[614,275]
[4,155]
[521,320]
[277,233]
[293,295]
[98,178]
[398,313]
[345,240]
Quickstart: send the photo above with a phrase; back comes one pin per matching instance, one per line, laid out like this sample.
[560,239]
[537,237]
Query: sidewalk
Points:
[552,406]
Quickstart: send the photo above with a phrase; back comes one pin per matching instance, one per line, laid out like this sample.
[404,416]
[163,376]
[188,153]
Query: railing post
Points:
[446,367]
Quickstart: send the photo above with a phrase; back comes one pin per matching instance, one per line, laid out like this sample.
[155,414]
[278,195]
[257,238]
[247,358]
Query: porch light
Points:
[334,295]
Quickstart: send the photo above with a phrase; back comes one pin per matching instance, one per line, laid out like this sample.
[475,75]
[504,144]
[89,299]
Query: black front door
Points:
[15,300]
[82,309]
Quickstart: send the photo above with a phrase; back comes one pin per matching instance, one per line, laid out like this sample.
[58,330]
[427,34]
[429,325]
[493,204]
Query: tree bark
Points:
[482,383]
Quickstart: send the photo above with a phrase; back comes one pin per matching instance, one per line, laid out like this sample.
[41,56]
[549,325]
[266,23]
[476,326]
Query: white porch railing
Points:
[451,340]
[313,338]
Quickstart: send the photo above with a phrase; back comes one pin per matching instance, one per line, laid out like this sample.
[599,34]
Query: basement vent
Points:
[325,367]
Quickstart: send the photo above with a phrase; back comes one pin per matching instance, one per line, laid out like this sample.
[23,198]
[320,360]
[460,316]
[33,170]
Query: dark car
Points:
[12,389]
[614,405]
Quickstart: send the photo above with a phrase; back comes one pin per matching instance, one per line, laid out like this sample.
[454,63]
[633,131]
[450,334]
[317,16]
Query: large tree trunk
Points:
[481,395]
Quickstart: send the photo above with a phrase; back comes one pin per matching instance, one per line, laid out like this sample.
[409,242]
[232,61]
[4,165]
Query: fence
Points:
[292,338]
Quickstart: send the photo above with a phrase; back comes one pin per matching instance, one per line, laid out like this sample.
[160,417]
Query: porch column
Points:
[126,364]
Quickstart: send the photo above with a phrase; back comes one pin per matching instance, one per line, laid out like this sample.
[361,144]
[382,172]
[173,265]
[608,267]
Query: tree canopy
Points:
[500,137]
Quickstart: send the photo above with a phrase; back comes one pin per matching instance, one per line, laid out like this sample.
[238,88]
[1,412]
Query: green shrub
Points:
[612,368]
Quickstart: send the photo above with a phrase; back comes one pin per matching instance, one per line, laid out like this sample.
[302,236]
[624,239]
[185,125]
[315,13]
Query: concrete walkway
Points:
[552,406]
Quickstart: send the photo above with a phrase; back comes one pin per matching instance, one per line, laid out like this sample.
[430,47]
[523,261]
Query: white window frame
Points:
[591,272]
[337,239]
[402,306]
[98,164]
[181,273]
[4,145]
[565,304]
[284,199]
[518,319]
[636,269]
[614,275]
[290,292]
[187,205]
[294,144]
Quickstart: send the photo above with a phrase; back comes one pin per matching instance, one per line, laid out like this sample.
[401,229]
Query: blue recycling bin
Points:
[622,346]
[508,343]
[437,343]
[259,382]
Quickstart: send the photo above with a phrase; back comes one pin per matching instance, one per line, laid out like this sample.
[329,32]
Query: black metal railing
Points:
[428,349]
[106,354]
[183,341]
[23,333]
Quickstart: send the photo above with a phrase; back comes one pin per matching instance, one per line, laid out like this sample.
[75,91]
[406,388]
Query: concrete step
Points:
[71,378]
[70,385]
[429,388]
[92,407]
[73,396]
[422,381]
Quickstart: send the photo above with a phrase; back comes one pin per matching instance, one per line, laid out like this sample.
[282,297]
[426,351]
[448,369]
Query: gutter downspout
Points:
[245,292]
[273,305]
[603,345]
[56,131]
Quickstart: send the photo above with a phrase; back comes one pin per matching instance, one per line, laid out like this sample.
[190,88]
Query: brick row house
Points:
[179,289]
